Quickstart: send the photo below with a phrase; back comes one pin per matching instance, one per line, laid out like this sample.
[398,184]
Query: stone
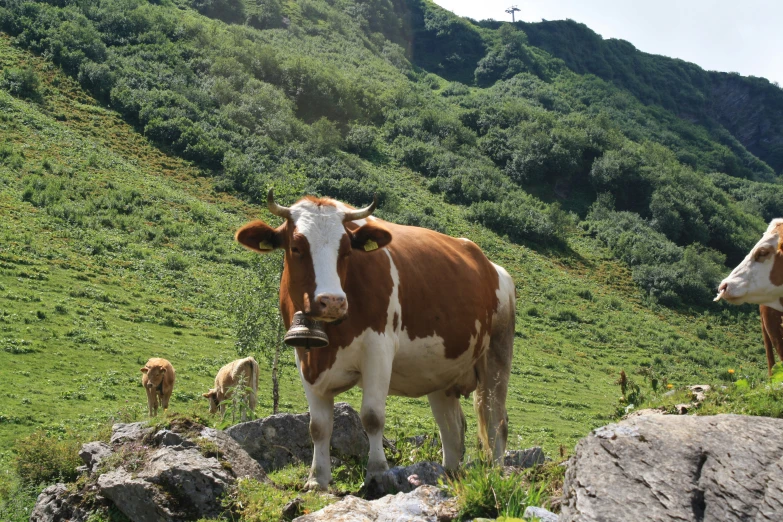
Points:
[699,392]
[170,438]
[405,479]
[526,458]
[279,440]
[175,483]
[293,508]
[135,431]
[138,499]
[677,468]
[543,515]
[242,464]
[56,504]
[419,505]
[92,453]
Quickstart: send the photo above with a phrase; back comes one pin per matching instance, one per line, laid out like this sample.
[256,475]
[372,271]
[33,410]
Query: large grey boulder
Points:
[420,505]
[175,483]
[678,468]
[283,439]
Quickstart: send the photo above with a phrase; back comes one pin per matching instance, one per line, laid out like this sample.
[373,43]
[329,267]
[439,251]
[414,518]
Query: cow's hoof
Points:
[313,485]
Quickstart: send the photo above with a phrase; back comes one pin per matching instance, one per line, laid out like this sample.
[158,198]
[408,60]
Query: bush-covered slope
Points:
[750,108]
[143,134]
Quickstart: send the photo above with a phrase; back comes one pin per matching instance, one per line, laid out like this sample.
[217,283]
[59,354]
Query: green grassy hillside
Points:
[132,151]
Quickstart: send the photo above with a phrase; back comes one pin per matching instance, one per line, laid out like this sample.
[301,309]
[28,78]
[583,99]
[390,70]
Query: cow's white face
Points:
[319,236]
[759,277]
[321,243]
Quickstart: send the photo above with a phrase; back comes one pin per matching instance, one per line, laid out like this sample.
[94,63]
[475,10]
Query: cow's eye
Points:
[296,251]
[761,253]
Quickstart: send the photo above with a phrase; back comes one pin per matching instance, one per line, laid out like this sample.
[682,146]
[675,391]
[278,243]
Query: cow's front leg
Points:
[376,375]
[152,402]
[321,423]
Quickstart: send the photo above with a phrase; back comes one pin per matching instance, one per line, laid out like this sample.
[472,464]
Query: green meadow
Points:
[119,200]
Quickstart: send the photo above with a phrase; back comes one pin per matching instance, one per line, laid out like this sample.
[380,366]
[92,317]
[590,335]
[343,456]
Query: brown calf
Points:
[228,377]
[158,381]
[773,334]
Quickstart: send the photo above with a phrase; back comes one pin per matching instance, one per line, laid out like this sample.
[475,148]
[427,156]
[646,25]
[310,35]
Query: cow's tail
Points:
[493,371]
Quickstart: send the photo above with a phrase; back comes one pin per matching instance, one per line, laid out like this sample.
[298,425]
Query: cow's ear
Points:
[162,369]
[145,370]
[260,237]
[207,395]
[370,237]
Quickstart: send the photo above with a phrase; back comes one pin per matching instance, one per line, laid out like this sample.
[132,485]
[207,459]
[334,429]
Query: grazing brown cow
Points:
[429,315]
[158,381]
[772,330]
[227,377]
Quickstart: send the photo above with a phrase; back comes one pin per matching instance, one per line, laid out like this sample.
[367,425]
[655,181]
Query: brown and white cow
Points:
[158,381]
[772,330]
[759,277]
[408,311]
[228,377]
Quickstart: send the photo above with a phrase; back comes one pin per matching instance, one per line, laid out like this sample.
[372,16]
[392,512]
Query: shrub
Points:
[41,458]
[23,83]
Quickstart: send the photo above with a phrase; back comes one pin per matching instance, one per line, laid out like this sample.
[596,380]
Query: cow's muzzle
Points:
[329,308]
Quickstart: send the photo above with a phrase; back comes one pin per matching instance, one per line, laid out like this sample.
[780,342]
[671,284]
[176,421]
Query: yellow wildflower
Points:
[731,370]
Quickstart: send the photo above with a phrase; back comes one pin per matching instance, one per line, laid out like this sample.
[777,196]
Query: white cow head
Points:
[759,277]
[318,236]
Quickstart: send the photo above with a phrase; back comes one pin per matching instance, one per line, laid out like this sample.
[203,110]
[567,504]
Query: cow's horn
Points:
[274,208]
[361,213]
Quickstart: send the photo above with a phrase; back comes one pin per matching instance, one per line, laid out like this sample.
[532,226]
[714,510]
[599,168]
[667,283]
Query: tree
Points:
[258,325]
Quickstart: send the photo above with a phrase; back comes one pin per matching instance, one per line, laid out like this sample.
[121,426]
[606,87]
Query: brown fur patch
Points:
[321,202]
[448,293]
[776,274]
[372,422]
[395,321]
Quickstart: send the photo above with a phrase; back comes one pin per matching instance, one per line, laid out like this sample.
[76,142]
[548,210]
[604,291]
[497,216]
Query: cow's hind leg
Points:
[451,421]
[321,424]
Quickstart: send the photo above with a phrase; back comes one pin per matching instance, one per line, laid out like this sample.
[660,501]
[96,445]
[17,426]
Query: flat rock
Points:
[279,440]
[419,505]
[678,468]
[135,431]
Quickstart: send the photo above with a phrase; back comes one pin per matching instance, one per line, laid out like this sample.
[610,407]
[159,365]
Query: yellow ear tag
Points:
[370,245]
[265,245]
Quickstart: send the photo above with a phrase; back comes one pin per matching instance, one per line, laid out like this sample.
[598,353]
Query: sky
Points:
[720,35]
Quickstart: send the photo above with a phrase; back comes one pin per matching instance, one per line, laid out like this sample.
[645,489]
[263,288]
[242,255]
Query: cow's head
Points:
[155,374]
[318,243]
[759,277]
[212,397]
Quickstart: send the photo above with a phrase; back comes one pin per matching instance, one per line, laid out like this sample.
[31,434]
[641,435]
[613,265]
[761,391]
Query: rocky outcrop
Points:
[283,439]
[424,504]
[678,468]
[179,473]
[57,504]
[404,479]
